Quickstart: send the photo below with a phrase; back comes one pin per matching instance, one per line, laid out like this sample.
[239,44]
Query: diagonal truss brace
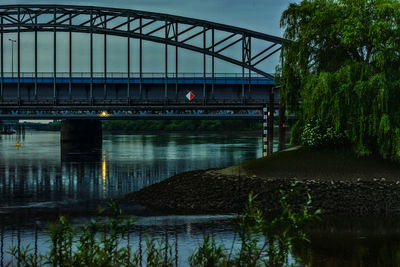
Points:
[96,20]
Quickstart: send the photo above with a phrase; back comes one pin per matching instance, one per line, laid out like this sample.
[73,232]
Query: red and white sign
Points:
[190,96]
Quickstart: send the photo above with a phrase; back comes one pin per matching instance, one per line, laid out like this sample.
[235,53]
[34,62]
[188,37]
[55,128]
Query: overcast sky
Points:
[257,15]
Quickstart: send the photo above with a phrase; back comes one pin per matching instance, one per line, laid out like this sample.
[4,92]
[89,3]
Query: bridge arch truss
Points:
[169,30]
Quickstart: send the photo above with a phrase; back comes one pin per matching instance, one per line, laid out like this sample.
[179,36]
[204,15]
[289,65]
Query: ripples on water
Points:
[35,175]
[40,180]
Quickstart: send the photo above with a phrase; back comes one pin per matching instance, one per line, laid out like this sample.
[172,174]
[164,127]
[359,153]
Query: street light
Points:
[12,56]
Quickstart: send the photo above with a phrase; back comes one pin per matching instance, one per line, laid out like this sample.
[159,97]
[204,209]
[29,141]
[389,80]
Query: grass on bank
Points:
[303,163]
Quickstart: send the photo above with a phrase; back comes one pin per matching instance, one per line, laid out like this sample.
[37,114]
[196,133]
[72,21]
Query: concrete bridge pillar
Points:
[265,132]
[81,131]
[268,125]
[268,130]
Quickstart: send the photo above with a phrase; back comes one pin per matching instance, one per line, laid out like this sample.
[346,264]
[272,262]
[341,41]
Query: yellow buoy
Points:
[18,144]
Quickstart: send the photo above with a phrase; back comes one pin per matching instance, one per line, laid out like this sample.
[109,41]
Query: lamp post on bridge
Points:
[12,56]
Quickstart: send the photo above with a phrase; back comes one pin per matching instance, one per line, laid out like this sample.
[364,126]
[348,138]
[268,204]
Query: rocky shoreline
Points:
[211,192]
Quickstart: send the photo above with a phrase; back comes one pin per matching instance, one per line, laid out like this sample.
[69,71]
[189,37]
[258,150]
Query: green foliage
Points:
[170,125]
[158,252]
[342,67]
[263,242]
[93,244]
[316,134]
[209,254]
[297,129]
[52,126]
[181,125]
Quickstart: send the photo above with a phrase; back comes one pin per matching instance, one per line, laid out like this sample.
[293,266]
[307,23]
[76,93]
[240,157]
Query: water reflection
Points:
[43,179]
[104,171]
[44,174]
[40,180]
[71,152]
[353,241]
[184,233]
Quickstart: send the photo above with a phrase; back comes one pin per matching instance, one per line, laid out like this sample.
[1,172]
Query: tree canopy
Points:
[342,69]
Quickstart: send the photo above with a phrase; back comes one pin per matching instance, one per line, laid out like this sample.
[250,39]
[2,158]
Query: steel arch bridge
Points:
[155,27]
[64,95]
[169,30]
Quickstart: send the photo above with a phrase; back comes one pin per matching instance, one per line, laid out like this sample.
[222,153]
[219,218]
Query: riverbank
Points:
[338,182]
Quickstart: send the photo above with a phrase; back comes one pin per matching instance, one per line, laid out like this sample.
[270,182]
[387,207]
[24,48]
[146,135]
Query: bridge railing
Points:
[132,75]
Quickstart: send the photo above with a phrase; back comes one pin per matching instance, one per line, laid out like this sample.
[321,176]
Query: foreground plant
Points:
[262,241]
[96,243]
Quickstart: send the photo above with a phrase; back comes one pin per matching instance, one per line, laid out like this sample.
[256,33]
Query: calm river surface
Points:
[40,180]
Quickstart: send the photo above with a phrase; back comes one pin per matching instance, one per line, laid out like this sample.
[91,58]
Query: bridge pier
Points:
[265,131]
[268,126]
[86,132]
[75,152]
[268,130]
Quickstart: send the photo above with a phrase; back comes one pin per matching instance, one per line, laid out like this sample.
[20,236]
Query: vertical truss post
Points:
[243,62]
[204,67]
[19,56]
[282,126]
[140,57]
[105,60]
[246,61]
[2,59]
[212,64]
[55,59]
[166,64]
[36,59]
[91,57]
[70,58]
[129,64]
[271,110]
[176,61]
[249,63]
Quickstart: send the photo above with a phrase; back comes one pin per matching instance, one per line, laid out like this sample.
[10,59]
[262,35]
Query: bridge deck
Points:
[257,117]
[227,96]
[148,78]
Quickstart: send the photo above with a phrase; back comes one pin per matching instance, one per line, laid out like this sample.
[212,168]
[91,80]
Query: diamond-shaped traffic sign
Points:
[190,96]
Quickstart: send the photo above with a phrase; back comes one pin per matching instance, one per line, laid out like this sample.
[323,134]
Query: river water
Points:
[40,180]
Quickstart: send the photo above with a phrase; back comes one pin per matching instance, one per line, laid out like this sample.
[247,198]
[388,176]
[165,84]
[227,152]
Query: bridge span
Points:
[135,94]
[80,89]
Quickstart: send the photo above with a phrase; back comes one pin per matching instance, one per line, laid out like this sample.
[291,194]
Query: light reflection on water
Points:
[41,179]
[35,173]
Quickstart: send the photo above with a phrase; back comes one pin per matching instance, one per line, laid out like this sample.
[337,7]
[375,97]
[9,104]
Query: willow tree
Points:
[342,67]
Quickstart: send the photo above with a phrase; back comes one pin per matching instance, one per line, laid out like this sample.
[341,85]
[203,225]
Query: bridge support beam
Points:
[265,132]
[268,125]
[81,131]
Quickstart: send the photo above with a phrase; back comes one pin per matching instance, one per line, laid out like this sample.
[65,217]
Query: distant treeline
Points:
[52,126]
[182,125]
[172,125]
